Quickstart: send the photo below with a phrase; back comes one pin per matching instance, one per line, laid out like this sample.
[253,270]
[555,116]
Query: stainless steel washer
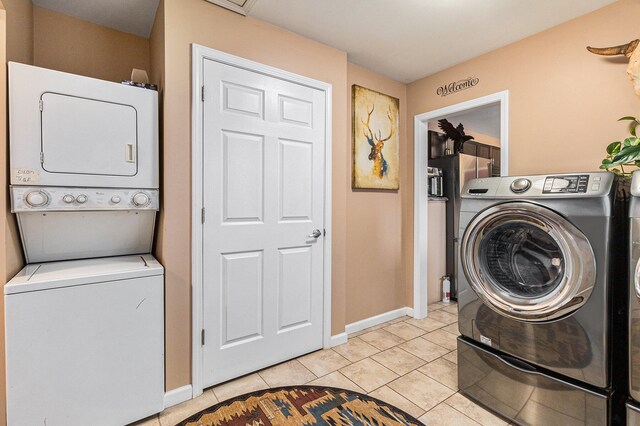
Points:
[536,301]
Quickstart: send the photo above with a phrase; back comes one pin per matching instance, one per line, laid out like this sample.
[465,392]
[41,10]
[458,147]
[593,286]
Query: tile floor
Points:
[409,363]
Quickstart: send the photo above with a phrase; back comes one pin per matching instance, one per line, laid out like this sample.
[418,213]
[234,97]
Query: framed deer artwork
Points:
[375,140]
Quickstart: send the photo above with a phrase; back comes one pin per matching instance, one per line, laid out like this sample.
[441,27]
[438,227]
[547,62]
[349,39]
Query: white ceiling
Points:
[485,120]
[402,39]
[131,16]
[410,39]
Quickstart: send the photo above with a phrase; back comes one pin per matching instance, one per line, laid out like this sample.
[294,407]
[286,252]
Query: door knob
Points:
[315,234]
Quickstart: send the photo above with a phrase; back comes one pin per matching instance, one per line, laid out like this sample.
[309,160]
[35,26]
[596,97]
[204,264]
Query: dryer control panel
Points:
[38,198]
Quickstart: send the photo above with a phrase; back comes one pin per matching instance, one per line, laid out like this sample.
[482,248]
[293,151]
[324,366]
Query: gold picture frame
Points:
[375,159]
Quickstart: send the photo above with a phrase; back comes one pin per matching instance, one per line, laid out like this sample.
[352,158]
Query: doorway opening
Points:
[484,155]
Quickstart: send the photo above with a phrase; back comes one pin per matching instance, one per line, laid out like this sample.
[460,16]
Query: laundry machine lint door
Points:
[88,137]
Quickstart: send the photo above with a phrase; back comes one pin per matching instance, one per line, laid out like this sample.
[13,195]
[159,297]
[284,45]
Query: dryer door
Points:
[527,262]
[88,136]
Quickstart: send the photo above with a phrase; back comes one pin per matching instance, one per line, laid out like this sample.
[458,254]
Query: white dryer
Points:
[76,131]
[84,164]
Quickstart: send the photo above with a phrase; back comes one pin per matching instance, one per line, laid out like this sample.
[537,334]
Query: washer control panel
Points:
[25,198]
[567,183]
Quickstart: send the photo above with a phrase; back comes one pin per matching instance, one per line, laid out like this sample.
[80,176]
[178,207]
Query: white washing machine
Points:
[85,342]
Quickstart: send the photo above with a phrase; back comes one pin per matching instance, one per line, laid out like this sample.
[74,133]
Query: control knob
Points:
[36,199]
[68,198]
[115,199]
[81,198]
[140,199]
[520,185]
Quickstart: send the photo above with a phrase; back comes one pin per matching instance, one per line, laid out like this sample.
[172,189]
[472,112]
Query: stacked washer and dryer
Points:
[85,318]
[542,298]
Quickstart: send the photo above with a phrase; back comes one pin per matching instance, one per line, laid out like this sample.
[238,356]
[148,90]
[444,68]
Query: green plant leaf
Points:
[614,147]
[628,117]
[628,154]
[631,141]
[632,128]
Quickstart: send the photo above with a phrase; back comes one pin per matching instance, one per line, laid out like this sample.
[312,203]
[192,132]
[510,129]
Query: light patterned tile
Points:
[381,339]
[324,362]
[451,356]
[400,319]
[392,397]
[435,306]
[287,374]
[445,415]
[149,421]
[451,309]
[337,380]
[442,338]
[443,317]
[368,374]
[173,415]
[474,411]
[424,349]
[427,324]
[452,328]
[404,330]
[445,372]
[423,391]
[356,349]
[246,384]
[398,360]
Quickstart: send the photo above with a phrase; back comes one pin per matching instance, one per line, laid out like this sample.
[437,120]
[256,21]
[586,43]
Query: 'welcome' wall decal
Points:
[456,86]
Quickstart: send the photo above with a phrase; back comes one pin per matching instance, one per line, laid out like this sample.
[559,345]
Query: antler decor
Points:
[631,51]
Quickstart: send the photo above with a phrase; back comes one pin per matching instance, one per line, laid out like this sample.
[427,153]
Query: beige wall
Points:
[196,21]
[72,45]
[563,100]
[374,222]
[19,30]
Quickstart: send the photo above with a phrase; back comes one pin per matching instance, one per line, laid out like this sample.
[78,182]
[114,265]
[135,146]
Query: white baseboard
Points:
[338,339]
[378,319]
[178,395]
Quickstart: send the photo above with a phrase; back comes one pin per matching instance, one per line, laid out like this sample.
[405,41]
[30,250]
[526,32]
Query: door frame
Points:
[199,54]
[420,197]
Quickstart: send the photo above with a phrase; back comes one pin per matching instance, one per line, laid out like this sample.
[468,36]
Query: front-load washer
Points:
[540,295]
[85,342]
[75,131]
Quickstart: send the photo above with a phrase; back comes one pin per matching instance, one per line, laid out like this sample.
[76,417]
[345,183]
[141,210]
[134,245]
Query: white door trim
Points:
[198,55]
[420,183]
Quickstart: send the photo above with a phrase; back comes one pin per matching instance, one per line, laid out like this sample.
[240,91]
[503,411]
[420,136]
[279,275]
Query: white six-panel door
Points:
[263,181]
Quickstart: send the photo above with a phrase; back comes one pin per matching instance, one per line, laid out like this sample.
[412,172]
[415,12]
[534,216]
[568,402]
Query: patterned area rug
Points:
[301,405]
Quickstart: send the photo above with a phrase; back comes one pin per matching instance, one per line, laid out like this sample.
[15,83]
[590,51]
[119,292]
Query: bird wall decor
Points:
[456,134]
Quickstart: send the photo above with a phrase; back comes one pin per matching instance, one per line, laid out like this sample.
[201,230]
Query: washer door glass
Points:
[522,259]
[527,262]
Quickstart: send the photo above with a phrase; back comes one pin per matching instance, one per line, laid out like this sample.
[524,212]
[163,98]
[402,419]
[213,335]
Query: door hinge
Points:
[40,104]
[202,336]
[324,232]
[202,93]
[42,158]
[203,215]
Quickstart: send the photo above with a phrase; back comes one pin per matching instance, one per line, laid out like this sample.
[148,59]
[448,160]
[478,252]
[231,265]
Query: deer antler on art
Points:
[380,165]
[631,51]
